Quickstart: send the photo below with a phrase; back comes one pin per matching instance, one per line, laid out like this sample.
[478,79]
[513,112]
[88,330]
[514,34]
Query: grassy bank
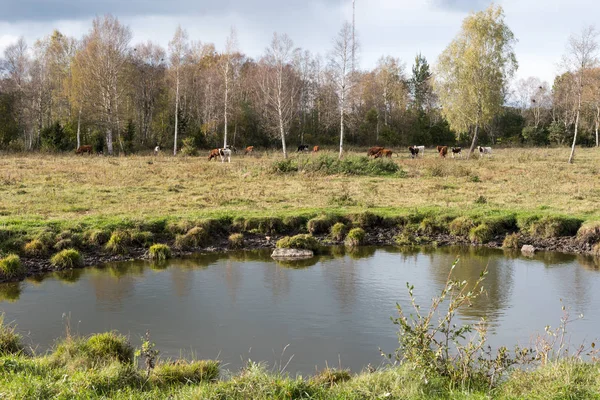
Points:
[98,204]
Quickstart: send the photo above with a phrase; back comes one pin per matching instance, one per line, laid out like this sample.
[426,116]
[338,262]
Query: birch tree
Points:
[473,72]
[228,76]
[340,62]
[178,47]
[581,56]
[279,85]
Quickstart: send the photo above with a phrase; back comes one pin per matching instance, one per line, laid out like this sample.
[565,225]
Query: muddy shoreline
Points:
[374,237]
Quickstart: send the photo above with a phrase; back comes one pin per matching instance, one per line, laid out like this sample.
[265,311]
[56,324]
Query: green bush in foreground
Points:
[304,242]
[11,266]
[67,259]
[101,348]
[184,372]
[159,252]
[236,241]
[356,237]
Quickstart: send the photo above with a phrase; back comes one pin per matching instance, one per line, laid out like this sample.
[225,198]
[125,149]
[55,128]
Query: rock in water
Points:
[528,250]
[292,254]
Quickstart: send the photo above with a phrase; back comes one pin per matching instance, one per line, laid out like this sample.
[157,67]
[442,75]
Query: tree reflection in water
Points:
[10,292]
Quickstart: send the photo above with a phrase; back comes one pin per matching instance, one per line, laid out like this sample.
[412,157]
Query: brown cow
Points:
[443,150]
[84,149]
[249,150]
[316,149]
[214,154]
[373,151]
[384,152]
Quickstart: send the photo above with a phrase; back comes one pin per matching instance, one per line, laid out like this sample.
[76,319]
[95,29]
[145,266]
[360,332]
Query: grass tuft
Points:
[11,267]
[236,240]
[481,234]
[10,340]
[101,349]
[303,242]
[321,225]
[184,372]
[194,238]
[338,232]
[512,241]
[356,237]
[67,259]
[159,252]
[330,377]
[461,226]
[119,242]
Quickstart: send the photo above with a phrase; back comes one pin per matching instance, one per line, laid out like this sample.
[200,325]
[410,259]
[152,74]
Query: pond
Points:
[333,310]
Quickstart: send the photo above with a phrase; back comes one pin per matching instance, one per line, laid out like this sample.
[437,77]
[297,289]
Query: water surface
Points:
[333,310]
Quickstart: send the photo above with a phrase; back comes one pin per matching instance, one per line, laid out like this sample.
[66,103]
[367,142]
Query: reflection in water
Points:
[10,292]
[335,305]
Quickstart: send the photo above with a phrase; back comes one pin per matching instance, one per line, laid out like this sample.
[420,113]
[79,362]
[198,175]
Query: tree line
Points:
[63,92]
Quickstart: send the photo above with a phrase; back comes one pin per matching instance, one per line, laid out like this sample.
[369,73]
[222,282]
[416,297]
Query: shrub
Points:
[304,242]
[67,259]
[327,164]
[365,220]
[461,226]
[97,237]
[185,372]
[119,242]
[338,232]
[511,241]
[285,166]
[159,252]
[356,237]
[11,267]
[194,238]
[321,225]
[481,234]
[330,377]
[10,340]
[236,241]
[35,248]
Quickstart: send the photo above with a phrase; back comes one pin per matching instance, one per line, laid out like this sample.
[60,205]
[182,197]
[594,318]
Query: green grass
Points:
[67,259]
[159,252]
[11,267]
[355,237]
[303,242]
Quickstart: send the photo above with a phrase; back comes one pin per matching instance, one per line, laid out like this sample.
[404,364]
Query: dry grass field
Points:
[36,189]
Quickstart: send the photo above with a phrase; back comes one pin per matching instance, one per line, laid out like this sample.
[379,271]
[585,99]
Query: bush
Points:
[97,349]
[285,166]
[10,340]
[327,164]
[194,238]
[356,237]
[185,372]
[159,252]
[67,259]
[321,225]
[461,226]
[338,232]
[330,377]
[11,267]
[512,241]
[236,241]
[119,242]
[303,242]
[481,234]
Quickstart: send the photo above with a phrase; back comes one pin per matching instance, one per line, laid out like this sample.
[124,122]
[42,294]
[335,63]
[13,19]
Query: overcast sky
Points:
[399,28]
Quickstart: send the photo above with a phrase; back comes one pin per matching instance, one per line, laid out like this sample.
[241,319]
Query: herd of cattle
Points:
[375,152]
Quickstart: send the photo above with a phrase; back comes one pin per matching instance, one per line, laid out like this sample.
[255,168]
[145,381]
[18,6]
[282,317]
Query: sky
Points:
[400,28]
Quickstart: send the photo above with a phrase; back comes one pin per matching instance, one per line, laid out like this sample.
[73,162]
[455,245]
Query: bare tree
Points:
[228,76]
[340,62]
[580,58]
[279,85]
[178,47]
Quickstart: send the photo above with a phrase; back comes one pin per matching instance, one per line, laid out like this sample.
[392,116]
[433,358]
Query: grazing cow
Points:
[302,147]
[414,151]
[384,153]
[316,149]
[485,150]
[225,154]
[457,151]
[443,150]
[421,150]
[156,150]
[214,154]
[249,150]
[84,149]
[373,151]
